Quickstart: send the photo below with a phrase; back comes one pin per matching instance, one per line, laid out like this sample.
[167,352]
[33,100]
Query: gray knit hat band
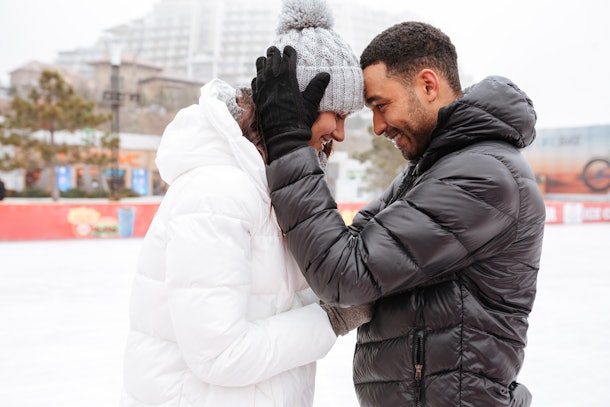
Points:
[306,25]
[345,91]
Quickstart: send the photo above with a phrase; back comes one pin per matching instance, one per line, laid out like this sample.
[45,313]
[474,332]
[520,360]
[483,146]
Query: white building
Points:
[346,176]
[203,39]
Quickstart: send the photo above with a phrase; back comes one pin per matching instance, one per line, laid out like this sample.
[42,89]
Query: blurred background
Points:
[79,194]
[137,63]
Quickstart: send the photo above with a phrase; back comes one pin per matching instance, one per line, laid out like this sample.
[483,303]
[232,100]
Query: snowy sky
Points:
[557,51]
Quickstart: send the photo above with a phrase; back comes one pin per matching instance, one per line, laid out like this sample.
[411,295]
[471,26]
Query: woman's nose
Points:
[339,132]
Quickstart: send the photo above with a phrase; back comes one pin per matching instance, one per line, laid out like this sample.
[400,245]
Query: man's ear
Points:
[430,84]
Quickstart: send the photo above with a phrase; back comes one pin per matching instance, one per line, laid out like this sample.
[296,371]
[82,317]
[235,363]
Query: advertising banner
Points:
[572,160]
[37,221]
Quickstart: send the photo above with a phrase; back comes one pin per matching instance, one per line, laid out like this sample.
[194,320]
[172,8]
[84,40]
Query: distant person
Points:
[450,251]
[2,190]
[220,314]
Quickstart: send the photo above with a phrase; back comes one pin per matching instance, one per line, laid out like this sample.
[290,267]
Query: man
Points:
[449,252]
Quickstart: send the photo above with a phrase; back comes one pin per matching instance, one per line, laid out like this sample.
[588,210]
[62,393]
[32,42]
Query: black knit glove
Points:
[285,113]
[344,320]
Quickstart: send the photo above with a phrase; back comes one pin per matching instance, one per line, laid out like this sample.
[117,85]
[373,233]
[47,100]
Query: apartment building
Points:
[171,51]
[203,39]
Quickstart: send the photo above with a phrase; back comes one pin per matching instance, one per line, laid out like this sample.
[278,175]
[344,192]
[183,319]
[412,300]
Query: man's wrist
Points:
[282,144]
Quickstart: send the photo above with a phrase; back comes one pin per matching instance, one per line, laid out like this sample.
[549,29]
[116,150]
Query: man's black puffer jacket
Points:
[450,253]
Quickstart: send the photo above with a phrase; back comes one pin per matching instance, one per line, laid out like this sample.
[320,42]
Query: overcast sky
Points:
[557,51]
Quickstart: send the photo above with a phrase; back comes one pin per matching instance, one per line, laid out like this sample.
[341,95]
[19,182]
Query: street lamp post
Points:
[116,99]
[115,103]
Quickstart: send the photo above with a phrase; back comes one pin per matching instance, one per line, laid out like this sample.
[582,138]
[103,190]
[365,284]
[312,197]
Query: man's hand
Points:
[285,113]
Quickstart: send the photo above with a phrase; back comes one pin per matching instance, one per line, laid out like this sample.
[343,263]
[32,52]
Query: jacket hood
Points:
[493,109]
[207,134]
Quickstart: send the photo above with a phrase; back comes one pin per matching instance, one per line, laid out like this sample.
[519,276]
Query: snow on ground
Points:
[63,324]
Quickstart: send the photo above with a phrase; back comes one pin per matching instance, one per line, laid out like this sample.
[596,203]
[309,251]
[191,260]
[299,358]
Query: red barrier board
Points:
[39,221]
[554,213]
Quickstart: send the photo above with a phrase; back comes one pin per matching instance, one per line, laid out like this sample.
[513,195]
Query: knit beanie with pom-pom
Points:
[306,25]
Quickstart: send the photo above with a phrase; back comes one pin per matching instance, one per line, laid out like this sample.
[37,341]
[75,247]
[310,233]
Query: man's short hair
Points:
[407,48]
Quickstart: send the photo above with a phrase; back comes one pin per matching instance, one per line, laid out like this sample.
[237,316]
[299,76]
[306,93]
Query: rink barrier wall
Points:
[90,220]
[61,220]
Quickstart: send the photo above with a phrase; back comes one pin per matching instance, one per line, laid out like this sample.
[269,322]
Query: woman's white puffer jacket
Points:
[220,314]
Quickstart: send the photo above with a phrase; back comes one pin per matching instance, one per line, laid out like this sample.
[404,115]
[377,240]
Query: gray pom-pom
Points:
[301,14]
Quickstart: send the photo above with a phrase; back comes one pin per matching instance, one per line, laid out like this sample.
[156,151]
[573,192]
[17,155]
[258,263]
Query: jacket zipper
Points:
[418,358]
[406,184]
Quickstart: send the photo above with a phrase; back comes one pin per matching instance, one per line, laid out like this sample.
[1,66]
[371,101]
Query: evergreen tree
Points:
[52,106]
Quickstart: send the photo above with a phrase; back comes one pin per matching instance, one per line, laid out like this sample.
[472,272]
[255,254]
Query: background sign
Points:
[64,177]
[139,181]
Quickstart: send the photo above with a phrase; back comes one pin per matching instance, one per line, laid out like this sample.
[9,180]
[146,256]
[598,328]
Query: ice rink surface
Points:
[63,324]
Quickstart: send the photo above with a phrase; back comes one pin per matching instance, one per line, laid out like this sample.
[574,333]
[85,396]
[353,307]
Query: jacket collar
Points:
[493,109]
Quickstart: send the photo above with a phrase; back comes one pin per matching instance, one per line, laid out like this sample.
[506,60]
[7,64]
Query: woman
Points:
[220,314]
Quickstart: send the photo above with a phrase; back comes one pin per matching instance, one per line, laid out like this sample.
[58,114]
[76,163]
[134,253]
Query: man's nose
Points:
[379,124]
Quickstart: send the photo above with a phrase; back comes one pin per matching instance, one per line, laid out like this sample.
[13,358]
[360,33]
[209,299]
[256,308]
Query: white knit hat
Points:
[306,25]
